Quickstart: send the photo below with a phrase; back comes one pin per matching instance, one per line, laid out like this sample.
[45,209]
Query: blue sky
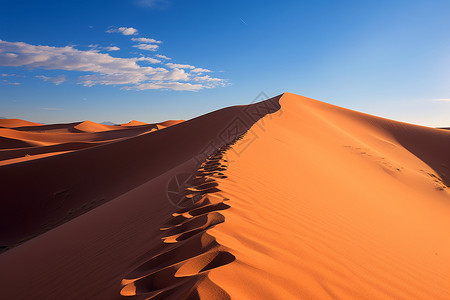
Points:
[151,60]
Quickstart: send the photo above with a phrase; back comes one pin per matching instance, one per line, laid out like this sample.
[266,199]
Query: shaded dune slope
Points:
[62,186]
[181,270]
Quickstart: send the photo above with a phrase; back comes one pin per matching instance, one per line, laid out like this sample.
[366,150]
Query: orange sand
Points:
[291,198]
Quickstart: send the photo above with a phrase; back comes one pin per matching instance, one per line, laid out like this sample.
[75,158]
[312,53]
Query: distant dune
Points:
[88,126]
[10,123]
[134,123]
[24,142]
[289,198]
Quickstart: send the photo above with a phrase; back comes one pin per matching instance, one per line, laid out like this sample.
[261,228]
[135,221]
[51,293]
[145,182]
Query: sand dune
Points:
[11,123]
[58,138]
[290,198]
[133,123]
[88,126]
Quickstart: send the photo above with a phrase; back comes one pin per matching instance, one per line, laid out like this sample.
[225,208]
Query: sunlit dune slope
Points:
[328,203]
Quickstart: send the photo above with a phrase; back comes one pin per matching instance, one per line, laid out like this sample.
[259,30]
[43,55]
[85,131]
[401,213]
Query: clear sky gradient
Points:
[152,60]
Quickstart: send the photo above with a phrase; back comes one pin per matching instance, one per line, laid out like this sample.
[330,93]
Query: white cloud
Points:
[62,58]
[210,82]
[177,86]
[442,100]
[134,78]
[56,80]
[102,68]
[192,68]
[113,48]
[10,55]
[146,40]
[207,78]
[97,48]
[200,70]
[148,47]
[163,56]
[6,82]
[149,59]
[179,66]
[123,30]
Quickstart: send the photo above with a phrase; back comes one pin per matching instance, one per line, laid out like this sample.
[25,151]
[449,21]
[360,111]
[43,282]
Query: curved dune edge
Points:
[182,269]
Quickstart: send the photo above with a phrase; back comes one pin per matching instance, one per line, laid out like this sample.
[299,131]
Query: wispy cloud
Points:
[146,40]
[194,69]
[442,100]
[98,48]
[207,78]
[163,56]
[148,47]
[179,66]
[104,69]
[200,70]
[149,59]
[10,75]
[56,80]
[112,48]
[7,82]
[123,30]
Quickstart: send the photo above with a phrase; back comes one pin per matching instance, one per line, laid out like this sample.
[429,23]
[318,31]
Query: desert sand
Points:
[289,198]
